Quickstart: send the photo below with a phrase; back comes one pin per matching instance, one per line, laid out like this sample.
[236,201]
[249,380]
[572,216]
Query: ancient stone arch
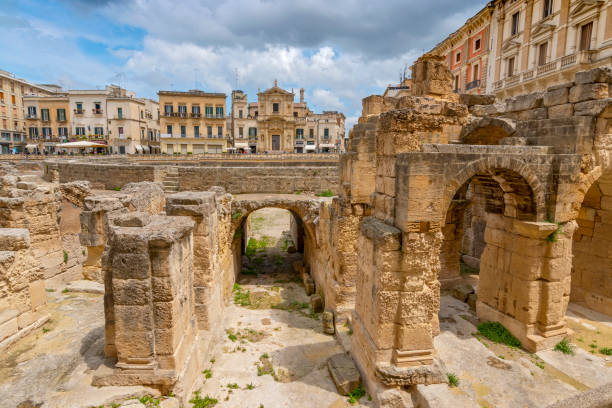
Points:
[487,131]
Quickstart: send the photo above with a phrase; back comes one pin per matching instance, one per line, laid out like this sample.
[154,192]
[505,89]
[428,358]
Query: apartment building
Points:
[192,122]
[12,115]
[47,120]
[529,45]
[116,117]
[276,123]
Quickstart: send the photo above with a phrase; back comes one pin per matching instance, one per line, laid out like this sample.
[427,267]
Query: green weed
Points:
[606,351]
[356,394]
[65,256]
[453,380]
[199,402]
[207,373]
[326,193]
[565,347]
[497,333]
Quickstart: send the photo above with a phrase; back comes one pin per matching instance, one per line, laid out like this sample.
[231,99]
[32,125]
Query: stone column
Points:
[149,284]
[527,35]
[562,31]
[207,271]
[525,273]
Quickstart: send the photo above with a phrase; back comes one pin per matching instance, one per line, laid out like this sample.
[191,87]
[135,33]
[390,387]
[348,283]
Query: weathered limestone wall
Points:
[288,177]
[23,302]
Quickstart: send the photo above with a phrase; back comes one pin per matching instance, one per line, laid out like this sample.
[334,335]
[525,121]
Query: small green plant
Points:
[83,252]
[117,188]
[149,401]
[251,248]
[236,215]
[356,394]
[565,347]
[212,361]
[249,270]
[250,386]
[265,355]
[326,193]
[554,235]
[278,260]
[199,402]
[65,256]
[541,365]
[65,290]
[241,298]
[232,386]
[350,332]
[232,337]
[453,380]
[606,351]
[50,290]
[593,345]
[46,330]
[207,373]
[497,333]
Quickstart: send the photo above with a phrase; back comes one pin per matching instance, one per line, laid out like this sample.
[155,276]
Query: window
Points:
[515,23]
[252,132]
[547,8]
[97,107]
[311,133]
[475,72]
[477,44]
[240,113]
[456,82]
[46,132]
[169,129]
[542,52]
[119,113]
[510,67]
[295,114]
[183,131]
[98,131]
[585,36]
[1,96]
[62,132]
[44,114]
[13,99]
[196,130]
[195,110]
[61,115]
[79,108]
[33,132]
[120,132]
[326,133]
[299,133]
[219,111]
[457,57]
[80,131]
[275,107]
[141,115]
[209,111]
[220,131]
[32,111]
[240,132]
[209,130]
[168,109]
[256,113]
[182,110]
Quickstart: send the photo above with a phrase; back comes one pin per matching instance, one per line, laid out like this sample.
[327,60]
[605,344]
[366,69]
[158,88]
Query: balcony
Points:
[45,119]
[472,85]
[208,116]
[97,111]
[61,120]
[31,116]
[196,115]
[79,111]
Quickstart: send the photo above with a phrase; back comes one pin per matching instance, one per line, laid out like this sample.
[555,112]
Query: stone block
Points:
[474,99]
[592,108]
[8,328]
[38,294]
[462,291]
[316,303]
[131,292]
[488,110]
[584,92]
[557,97]
[561,111]
[533,114]
[524,102]
[327,319]
[344,373]
[14,239]
[309,286]
[603,75]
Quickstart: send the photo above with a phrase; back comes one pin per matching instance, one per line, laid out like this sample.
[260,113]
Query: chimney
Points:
[301,95]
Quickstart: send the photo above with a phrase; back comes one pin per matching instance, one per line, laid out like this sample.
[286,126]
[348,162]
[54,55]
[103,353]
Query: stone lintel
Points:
[385,236]
[530,229]
[161,229]
[190,203]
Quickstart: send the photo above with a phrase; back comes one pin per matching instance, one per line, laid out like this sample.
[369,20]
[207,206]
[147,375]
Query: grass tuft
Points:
[497,333]
[453,380]
[326,193]
[606,351]
[356,394]
[199,402]
[565,347]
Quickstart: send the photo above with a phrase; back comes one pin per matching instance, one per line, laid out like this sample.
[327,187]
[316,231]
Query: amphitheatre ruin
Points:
[458,255]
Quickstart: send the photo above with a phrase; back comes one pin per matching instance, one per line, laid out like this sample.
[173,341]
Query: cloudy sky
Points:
[340,51]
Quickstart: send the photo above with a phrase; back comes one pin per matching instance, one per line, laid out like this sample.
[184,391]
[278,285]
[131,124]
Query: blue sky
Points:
[338,51]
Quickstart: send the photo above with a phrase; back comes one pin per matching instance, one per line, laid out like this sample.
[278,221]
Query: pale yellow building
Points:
[47,121]
[132,128]
[192,122]
[276,123]
[12,115]
[528,45]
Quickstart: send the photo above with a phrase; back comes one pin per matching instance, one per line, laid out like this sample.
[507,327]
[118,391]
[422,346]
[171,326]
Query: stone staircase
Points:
[171,180]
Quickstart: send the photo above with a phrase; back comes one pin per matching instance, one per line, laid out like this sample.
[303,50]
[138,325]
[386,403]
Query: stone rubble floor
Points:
[495,375]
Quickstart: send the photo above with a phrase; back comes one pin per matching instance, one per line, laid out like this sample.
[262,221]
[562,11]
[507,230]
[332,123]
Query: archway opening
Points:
[590,310]
[486,131]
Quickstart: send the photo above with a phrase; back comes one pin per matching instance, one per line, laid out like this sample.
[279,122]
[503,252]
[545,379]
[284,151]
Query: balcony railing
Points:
[472,85]
[31,116]
[97,111]
[196,115]
[79,111]
[45,119]
[582,57]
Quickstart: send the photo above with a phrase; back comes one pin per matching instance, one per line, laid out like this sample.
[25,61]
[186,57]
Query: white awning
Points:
[146,148]
[329,145]
[82,145]
[31,146]
[241,145]
[138,147]
[310,147]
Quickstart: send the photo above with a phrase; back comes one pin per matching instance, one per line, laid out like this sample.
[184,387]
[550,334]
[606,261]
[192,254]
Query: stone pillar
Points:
[396,305]
[525,273]
[207,271]
[527,35]
[148,264]
[562,31]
